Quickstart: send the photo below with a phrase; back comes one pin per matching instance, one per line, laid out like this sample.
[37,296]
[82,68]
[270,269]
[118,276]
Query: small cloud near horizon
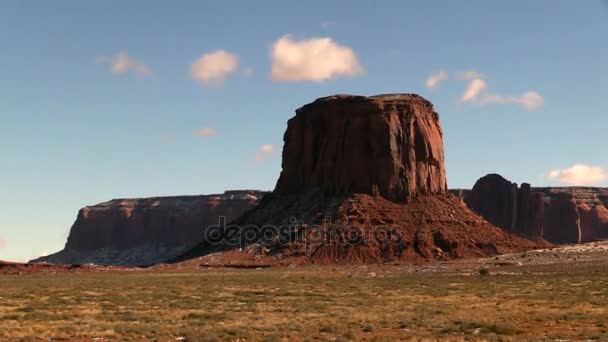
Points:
[214,67]
[579,174]
[2,243]
[316,59]
[206,132]
[123,63]
[263,151]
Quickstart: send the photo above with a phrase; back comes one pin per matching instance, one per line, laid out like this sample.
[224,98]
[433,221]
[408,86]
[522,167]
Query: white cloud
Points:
[579,174]
[468,75]
[475,86]
[530,100]
[436,78]
[214,67]
[2,243]
[314,59]
[206,132]
[264,150]
[476,92]
[122,63]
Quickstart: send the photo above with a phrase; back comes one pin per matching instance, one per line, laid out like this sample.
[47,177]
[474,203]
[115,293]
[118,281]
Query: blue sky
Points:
[106,99]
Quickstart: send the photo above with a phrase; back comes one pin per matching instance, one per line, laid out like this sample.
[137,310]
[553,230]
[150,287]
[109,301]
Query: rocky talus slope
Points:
[145,231]
[363,181]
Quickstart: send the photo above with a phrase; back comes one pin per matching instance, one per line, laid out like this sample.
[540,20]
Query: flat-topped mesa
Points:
[557,214]
[145,231]
[389,145]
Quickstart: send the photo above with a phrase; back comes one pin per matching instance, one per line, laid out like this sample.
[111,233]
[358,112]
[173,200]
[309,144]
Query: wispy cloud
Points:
[206,132]
[314,59]
[475,87]
[436,78]
[579,174]
[263,151]
[477,92]
[468,75]
[123,63]
[2,243]
[214,67]
[530,100]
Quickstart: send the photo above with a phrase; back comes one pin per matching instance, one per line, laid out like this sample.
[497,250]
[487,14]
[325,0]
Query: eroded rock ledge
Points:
[145,231]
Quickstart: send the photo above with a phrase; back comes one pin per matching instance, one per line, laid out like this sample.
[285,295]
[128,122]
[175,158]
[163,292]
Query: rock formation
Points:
[363,180]
[575,214]
[504,204]
[388,145]
[146,231]
[557,214]
[562,219]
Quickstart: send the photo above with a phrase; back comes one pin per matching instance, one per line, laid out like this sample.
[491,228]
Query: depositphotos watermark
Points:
[298,232]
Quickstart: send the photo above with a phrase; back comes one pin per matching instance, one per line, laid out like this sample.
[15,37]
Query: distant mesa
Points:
[369,165]
[504,204]
[557,214]
[146,231]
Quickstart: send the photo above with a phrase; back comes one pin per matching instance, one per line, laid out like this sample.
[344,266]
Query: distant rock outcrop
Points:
[363,180]
[562,219]
[504,204]
[557,214]
[575,214]
[146,231]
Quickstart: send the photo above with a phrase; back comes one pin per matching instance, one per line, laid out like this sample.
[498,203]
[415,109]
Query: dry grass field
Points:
[378,303]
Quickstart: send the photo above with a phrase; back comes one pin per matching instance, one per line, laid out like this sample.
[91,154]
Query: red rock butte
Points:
[366,165]
[389,145]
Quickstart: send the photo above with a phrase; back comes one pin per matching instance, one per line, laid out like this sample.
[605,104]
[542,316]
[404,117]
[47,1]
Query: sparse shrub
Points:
[328,329]
[368,328]
[484,271]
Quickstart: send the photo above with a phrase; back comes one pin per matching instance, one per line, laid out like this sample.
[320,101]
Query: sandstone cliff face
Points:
[575,214]
[363,180]
[557,214]
[562,219]
[146,231]
[505,205]
[387,145]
